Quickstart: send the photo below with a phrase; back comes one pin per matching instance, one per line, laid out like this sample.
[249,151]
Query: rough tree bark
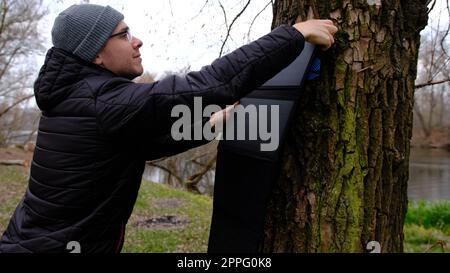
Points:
[345,169]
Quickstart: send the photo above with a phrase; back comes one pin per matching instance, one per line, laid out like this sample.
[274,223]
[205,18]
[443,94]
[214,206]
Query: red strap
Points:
[121,239]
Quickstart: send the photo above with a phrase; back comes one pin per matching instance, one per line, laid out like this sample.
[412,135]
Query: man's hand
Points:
[318,32]
[218,119]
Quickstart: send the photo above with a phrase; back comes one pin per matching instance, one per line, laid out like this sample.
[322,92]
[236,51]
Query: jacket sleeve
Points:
[166,145]
[122,105]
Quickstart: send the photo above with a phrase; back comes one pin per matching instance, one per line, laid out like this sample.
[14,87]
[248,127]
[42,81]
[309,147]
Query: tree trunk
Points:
[440,123]
[345,169]
[432,101]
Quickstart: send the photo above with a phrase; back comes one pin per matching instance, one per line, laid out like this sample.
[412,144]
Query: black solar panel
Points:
[244,171]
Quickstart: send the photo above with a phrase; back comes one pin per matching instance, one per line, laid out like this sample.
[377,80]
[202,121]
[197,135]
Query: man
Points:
[98,127]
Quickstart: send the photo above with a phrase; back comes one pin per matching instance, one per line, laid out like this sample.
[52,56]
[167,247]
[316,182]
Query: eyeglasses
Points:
[124,34]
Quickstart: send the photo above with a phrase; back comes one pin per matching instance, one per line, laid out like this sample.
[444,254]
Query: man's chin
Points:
[134,75]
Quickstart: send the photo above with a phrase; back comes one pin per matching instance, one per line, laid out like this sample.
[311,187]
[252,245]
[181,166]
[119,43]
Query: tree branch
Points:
[11,58]
[422,85]
[224,14]
[254,19]
[432,6]
[4,12]
[198,163]
[157,160]
[15,103]
[13,162]
[202,155]
[201,10]
[170,5]
[447,32]
[178,178]
[194,179]
[231,25]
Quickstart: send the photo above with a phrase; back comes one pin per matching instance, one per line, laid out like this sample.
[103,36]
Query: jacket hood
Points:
[60,72]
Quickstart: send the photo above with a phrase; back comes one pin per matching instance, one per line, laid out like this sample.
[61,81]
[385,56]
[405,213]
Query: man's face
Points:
[121,55]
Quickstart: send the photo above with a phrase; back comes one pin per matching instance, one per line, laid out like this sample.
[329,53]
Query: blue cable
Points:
[314,70]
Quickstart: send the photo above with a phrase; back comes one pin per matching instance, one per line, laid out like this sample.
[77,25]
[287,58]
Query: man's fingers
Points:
[319,32]
[331,39]
[329,31]
[329,25]
[327,39]
[332,29]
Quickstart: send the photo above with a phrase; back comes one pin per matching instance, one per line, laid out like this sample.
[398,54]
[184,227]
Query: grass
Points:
[188,231]
[165,219]
[427,227]
[13,181]
[430,214]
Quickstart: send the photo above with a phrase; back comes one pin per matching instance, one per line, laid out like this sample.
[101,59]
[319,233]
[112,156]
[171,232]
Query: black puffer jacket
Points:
[97,130]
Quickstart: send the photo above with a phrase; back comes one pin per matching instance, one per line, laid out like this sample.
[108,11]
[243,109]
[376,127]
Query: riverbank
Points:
[438,139]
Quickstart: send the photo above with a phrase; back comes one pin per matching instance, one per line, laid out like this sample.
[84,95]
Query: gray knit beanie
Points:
[84,29]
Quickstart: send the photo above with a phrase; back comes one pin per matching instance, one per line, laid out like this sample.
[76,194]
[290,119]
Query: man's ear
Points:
[98,60]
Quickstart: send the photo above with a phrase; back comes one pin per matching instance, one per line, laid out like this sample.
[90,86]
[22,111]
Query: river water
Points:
[429,174]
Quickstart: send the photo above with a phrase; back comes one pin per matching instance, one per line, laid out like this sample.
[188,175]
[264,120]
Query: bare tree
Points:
[192,170]
[433,77]
[19,42]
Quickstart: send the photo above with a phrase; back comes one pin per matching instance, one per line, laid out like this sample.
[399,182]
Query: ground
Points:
[14,153]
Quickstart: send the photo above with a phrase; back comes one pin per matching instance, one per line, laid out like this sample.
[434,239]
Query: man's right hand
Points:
[318,32]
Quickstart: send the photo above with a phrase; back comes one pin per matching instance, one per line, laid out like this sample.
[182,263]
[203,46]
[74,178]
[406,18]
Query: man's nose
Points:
[137,43]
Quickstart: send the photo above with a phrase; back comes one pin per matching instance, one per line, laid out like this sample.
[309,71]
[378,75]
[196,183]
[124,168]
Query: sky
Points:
[181,34]
[175,33]
[438,15]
